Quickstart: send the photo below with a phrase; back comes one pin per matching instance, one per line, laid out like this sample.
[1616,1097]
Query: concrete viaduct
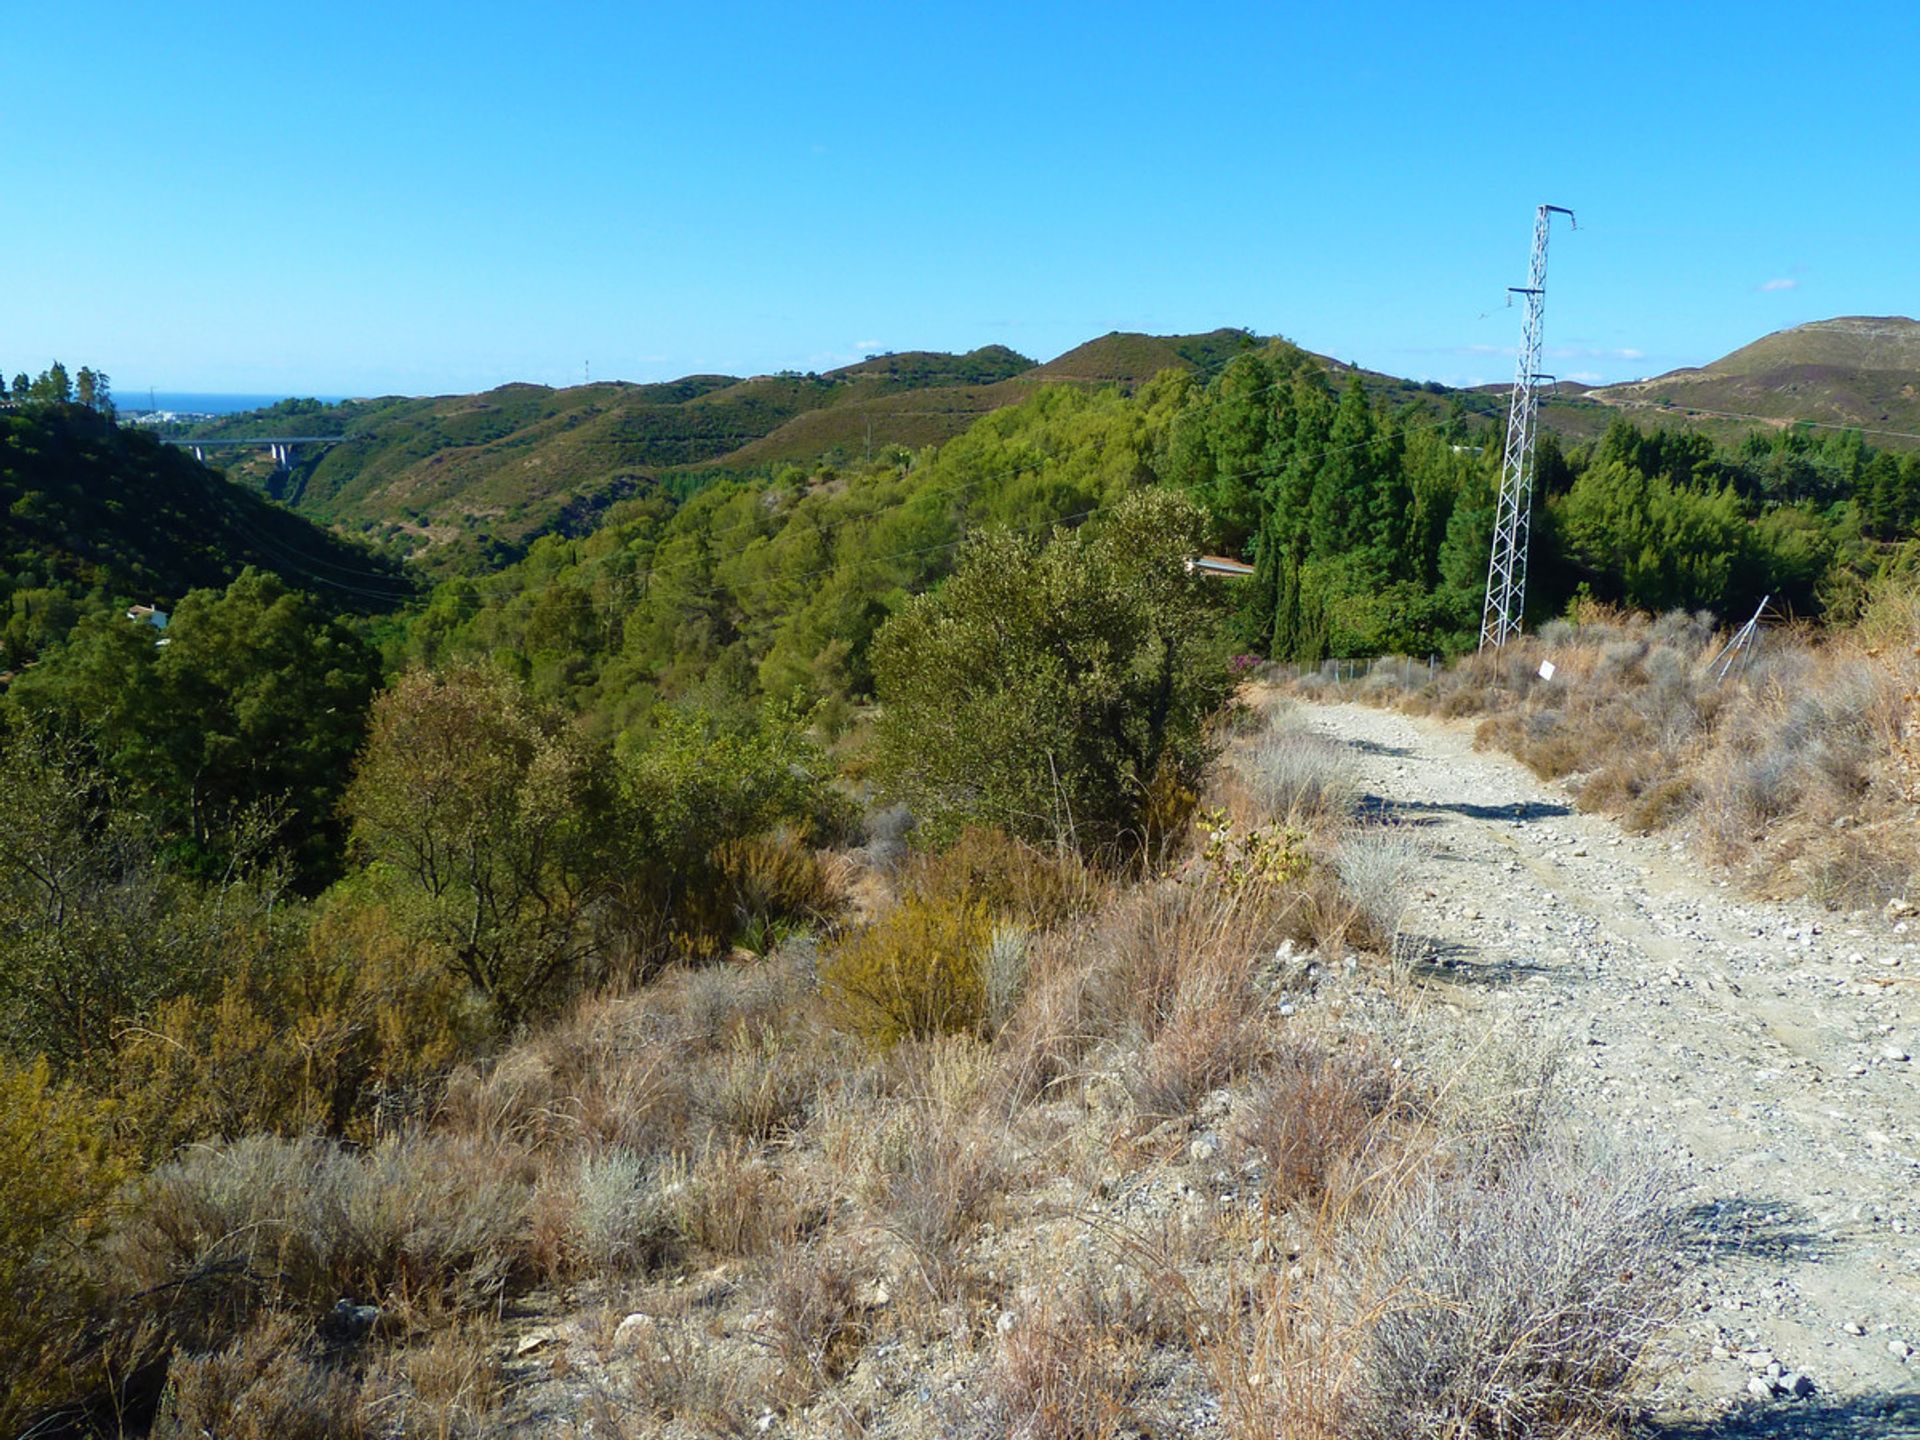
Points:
[281,447]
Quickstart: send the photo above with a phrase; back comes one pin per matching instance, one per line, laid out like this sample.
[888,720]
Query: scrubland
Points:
[1794,764]
[1015,1146]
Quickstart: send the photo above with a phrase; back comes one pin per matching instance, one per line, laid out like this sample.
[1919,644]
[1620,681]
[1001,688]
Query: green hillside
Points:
[498,468]
[99,514]
[521,460]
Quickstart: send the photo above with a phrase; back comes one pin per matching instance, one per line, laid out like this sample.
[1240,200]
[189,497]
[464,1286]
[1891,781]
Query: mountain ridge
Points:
[1855,371]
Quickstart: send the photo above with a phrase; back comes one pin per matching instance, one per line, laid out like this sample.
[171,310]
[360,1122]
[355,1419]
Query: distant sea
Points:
[133,402]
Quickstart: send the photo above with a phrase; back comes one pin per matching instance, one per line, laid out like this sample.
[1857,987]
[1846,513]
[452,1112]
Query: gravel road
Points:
[1769,1052]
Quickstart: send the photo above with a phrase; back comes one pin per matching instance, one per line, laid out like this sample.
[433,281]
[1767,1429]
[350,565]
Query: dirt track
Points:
[1753,1045]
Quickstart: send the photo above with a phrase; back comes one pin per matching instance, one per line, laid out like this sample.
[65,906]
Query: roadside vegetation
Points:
[1794,763]
[833,952]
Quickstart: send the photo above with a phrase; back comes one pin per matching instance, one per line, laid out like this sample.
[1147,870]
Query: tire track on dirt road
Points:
[1757,1047]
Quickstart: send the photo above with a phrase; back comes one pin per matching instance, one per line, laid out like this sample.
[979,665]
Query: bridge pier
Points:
[200,454]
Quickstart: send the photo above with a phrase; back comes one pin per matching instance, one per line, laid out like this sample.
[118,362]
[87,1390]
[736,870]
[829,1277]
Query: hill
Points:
[1860,371]
[98,513]
[504,466]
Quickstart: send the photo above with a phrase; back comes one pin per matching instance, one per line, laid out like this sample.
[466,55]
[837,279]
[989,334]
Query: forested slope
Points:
[1369,521]
[100,515]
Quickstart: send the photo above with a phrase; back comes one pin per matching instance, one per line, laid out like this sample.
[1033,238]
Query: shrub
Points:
[57,1172]
[916,971]
[1377,867]
[1300,778]
[944,1177]
[815,1318]
[617,1220]
[1511,1296]
[1046,688]
[1312,1110]
[355,1027]
[1017,881]
[489,813]
[1059,1375]
[220,1232]
[264,1386]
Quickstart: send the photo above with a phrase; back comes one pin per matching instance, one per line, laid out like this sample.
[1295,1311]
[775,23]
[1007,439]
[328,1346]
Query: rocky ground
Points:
[1769,1053]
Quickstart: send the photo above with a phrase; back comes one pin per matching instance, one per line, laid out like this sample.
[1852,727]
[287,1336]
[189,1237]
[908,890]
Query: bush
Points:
[222,1233]
[264,1386]
[57,1172]
[1512,1296]
[1300,778]
[919,970]
[1048,689]
[489,813]
[1377,867]
[1019,882]
[355,1028]
[1312,1110]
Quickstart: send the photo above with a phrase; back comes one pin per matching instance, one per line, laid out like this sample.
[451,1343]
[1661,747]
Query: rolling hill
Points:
[1860,371]
[506,465]
[444,476]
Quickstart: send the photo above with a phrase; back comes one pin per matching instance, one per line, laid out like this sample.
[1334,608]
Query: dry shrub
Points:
[611,1072]
[1175,974]
[1476,1290]
[1314,1110]
[266,1385]
[1165,970]
[771,885]
[1660,804]
[220,1233]
[942,1179]
[1018,882]
[816,1320]
[728,1201]
[618,1218]
[760,1086]
[916,971]
[1511,1295]
[678,1374]
[1301,778]
[1060,1375]
[1377,868]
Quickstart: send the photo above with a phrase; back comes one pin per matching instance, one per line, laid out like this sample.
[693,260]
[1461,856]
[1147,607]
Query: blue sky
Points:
[350,198]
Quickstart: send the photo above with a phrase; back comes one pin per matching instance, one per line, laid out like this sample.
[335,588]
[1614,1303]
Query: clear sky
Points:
[355,198]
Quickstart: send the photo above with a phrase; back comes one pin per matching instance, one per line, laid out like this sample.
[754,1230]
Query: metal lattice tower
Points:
[1513,519]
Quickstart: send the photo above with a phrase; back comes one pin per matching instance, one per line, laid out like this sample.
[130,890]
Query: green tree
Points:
[52,386]
[1051,690]
[1344,477]
[489,812]
[253,699]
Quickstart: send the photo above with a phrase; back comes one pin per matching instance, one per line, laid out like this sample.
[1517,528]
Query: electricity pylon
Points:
[1513,519]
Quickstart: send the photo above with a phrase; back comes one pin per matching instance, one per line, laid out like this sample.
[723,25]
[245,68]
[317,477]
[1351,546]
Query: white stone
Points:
[631,1330]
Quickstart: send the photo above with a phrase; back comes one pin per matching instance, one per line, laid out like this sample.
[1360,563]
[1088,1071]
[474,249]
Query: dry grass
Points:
[1061,1374]
[1453,1280]
[1300,778]
[1797,770]
[804,1214]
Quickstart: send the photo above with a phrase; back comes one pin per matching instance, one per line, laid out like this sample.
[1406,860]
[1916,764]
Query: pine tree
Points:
[1344,478]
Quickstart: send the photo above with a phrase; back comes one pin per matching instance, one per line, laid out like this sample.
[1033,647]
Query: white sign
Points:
[1546,669]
